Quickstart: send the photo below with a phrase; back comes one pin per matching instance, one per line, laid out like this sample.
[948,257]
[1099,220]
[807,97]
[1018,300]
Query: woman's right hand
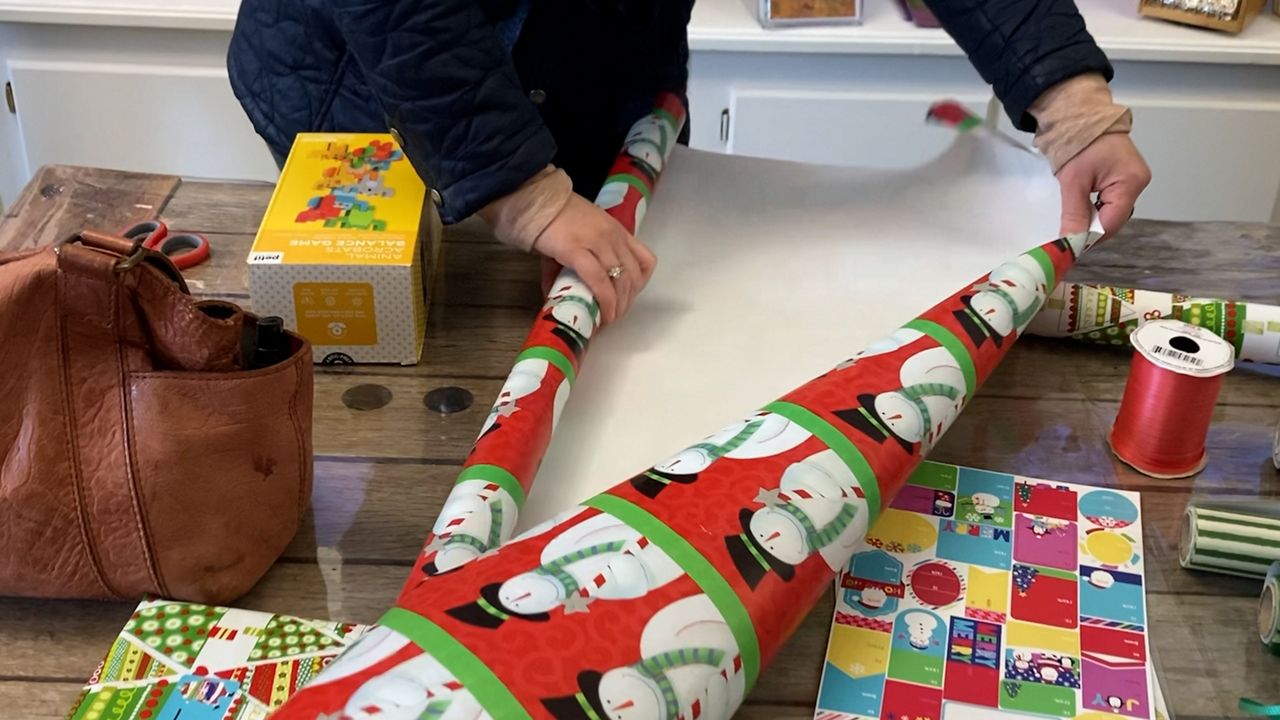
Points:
[589,241]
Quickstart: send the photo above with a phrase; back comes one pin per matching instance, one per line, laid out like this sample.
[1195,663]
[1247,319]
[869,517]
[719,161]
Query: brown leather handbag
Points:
[137,455]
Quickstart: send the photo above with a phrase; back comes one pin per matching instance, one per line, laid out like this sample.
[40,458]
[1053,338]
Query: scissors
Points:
[184,250]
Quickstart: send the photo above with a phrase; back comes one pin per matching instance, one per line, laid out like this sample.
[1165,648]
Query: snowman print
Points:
[477,516]
[931,395]
[649,141]
[819,507]
[1005,303]
[413,686]
[525,379]
[598,558]
[763,434]
[688,668]
[573,309]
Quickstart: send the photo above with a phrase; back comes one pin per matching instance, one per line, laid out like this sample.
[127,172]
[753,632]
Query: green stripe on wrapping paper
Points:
[1250,521]
[551,355]
[1241,539]
[1200,554]
[840,445]
[698,567]
[498,476]
[670,119]
[631,180]
[955,346]
[475,676]
[1046,264]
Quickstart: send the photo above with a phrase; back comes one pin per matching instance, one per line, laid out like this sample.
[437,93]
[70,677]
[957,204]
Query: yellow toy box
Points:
[347,250]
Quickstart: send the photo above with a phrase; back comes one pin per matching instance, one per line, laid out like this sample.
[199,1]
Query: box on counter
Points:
[177,660]
[782,13]
[348,250]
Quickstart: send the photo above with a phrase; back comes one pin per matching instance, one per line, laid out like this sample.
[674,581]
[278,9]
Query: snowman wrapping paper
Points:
[666,596]
[481,512]
[988,595]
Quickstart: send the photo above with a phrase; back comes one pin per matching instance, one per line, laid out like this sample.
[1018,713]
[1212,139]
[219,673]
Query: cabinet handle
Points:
[8,98]
[724,125]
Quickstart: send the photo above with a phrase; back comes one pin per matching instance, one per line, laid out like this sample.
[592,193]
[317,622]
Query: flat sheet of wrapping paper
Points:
[982,595]
[768,273]
[1108,315]
[185,660]
[666,596]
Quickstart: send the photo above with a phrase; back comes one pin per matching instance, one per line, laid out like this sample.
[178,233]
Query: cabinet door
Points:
[179,120]
[862,128]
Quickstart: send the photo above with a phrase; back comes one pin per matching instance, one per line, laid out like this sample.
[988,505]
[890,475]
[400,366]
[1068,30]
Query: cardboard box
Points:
[347,250]
[182,660]
[1203,13]
[782,13]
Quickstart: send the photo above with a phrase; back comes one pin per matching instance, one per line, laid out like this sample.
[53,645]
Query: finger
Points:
[588,267]
[550,270]
[631,271]
[622,285]
[644,256]
[1077,207]
[1116,206]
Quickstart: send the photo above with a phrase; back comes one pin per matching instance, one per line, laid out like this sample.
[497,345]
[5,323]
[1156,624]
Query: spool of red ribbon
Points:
[1174,381]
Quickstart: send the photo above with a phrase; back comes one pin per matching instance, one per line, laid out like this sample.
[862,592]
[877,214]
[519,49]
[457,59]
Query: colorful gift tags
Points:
[983,594]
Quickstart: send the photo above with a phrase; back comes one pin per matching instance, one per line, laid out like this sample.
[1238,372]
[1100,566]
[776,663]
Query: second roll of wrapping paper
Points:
[666,596]
[1230,537]
[481,511]
[1108,315]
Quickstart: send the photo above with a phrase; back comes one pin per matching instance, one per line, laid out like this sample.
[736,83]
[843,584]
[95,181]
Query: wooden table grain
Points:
[381,475]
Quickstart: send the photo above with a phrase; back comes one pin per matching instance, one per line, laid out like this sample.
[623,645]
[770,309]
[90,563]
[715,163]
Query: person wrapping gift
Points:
[514,109]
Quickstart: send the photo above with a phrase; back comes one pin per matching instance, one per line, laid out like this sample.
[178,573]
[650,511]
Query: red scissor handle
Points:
[184,250]
[149,230]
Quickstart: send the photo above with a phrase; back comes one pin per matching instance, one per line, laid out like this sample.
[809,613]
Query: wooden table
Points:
[382,474]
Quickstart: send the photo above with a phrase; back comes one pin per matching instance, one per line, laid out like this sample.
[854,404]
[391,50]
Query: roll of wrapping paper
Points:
[1231,537]
[481,511]
[666,596]
[1108,315]
[1269,610]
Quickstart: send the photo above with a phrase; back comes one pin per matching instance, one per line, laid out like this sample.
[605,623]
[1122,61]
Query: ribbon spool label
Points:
[1183,348]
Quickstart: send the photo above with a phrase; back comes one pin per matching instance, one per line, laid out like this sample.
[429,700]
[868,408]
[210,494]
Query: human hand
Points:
[1114,169]
[587,240]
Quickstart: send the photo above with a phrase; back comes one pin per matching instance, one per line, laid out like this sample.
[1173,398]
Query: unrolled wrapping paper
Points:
[667,595]
[1230,537]
[1108,315]
[481,511]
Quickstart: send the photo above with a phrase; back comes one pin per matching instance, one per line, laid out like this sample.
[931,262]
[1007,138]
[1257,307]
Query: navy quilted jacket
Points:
[479,111]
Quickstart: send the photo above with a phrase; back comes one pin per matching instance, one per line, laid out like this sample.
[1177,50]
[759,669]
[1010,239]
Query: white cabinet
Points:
[141,85]
[153,100]
[183,121]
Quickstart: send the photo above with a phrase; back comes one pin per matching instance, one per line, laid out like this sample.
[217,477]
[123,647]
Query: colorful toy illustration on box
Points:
[1029,602]
[183,661]
[357,173]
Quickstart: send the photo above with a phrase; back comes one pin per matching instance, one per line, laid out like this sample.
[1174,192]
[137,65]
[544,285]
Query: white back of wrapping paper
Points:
[770,273]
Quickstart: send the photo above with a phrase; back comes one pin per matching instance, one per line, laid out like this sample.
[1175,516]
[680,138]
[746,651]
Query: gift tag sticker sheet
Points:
[185,661]
[987,595]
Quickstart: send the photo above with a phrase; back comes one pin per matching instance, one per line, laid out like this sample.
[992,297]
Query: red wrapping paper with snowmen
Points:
[665,597]
[481,512]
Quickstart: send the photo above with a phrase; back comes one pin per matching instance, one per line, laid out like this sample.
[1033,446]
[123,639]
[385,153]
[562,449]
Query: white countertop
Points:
[731,26]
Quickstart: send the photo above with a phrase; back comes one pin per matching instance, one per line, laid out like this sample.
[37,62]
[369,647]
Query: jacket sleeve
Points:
[1022,47]
[447,86]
